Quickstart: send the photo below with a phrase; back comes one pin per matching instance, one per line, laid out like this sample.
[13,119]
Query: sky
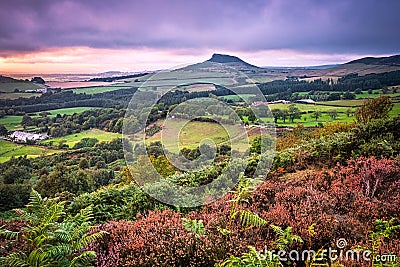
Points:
[92,36]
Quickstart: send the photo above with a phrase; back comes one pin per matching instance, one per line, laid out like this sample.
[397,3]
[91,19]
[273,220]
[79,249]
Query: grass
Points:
[238,98]
[177,134]
[98,89]
[395,111]
[163,81]
[342,103]
[69,111]
[13,96]
[9,87]
[9,149]
[311,107]
[11,122]
[72,139]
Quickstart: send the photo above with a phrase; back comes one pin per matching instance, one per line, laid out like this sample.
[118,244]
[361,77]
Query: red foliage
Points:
[10,246]
[342,203]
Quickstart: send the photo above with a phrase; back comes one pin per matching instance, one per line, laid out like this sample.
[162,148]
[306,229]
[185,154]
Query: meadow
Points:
[9,149]
[17,95]
[13,123]
[10,87]
[72,139]
[98,89]
[192,134]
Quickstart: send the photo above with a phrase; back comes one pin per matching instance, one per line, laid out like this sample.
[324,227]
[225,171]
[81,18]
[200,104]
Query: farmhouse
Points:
[23,137]
[305,101]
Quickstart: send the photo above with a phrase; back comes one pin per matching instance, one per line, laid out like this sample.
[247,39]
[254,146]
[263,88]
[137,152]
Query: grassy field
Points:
[311,107]
[14,122]
[69,111]
[9,87]
[162,81]
[10,149]
[236,98]
[192,133]
[17,95]
[395,111]
[98,89]
[11,122]
[72,139]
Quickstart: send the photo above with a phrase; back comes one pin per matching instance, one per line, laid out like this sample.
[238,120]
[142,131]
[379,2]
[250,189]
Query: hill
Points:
[218,62]
[391,61]
[5,79]
[364,66]
[230,60]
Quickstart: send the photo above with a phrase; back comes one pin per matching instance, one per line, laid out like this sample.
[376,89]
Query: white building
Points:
[22,137]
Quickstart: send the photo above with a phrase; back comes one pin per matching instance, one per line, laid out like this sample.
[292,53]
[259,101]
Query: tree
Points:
[349,96]
[348,112]
[294,112]
[285,114]
[278,113]
[333,114]
[83,164]
[3,130]
[38,79]
[316,114]
[373,109]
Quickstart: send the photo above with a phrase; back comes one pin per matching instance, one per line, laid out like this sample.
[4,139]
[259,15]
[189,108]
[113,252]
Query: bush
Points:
[14,196]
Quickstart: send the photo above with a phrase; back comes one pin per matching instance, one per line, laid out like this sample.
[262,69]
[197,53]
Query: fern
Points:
[195,226]
[250,219]
[252,259]
[285,237]
[9,234]
[51,241]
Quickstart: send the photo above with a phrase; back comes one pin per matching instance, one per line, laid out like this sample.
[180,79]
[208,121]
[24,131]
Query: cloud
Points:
[321,26]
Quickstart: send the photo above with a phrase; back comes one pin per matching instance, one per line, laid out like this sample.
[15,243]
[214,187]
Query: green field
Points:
[9,149]
[162,81]
[72,139]
[69,111]
[98,89]
[10,87]
[18,95]
[191,134]
[238,98]
[311,107]
[11,122]
[14,122]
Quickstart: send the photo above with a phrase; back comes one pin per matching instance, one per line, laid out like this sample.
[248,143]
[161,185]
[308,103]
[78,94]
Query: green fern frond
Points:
[248,218]
[86,240]
[10,235]
[83,259]
[16,259]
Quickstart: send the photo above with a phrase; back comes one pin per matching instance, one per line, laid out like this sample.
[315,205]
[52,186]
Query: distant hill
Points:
[214,64]
[5,79]
[227,59]
[391,61]
[364,66]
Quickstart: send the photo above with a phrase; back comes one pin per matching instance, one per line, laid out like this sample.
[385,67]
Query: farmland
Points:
[97,89]
[12,87]
[192,133]
[9,149]
[72,139]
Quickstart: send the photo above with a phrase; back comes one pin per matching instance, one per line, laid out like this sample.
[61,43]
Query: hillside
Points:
[391,61]
[365,66]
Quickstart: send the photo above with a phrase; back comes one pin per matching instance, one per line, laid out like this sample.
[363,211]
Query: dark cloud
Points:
[341,26]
